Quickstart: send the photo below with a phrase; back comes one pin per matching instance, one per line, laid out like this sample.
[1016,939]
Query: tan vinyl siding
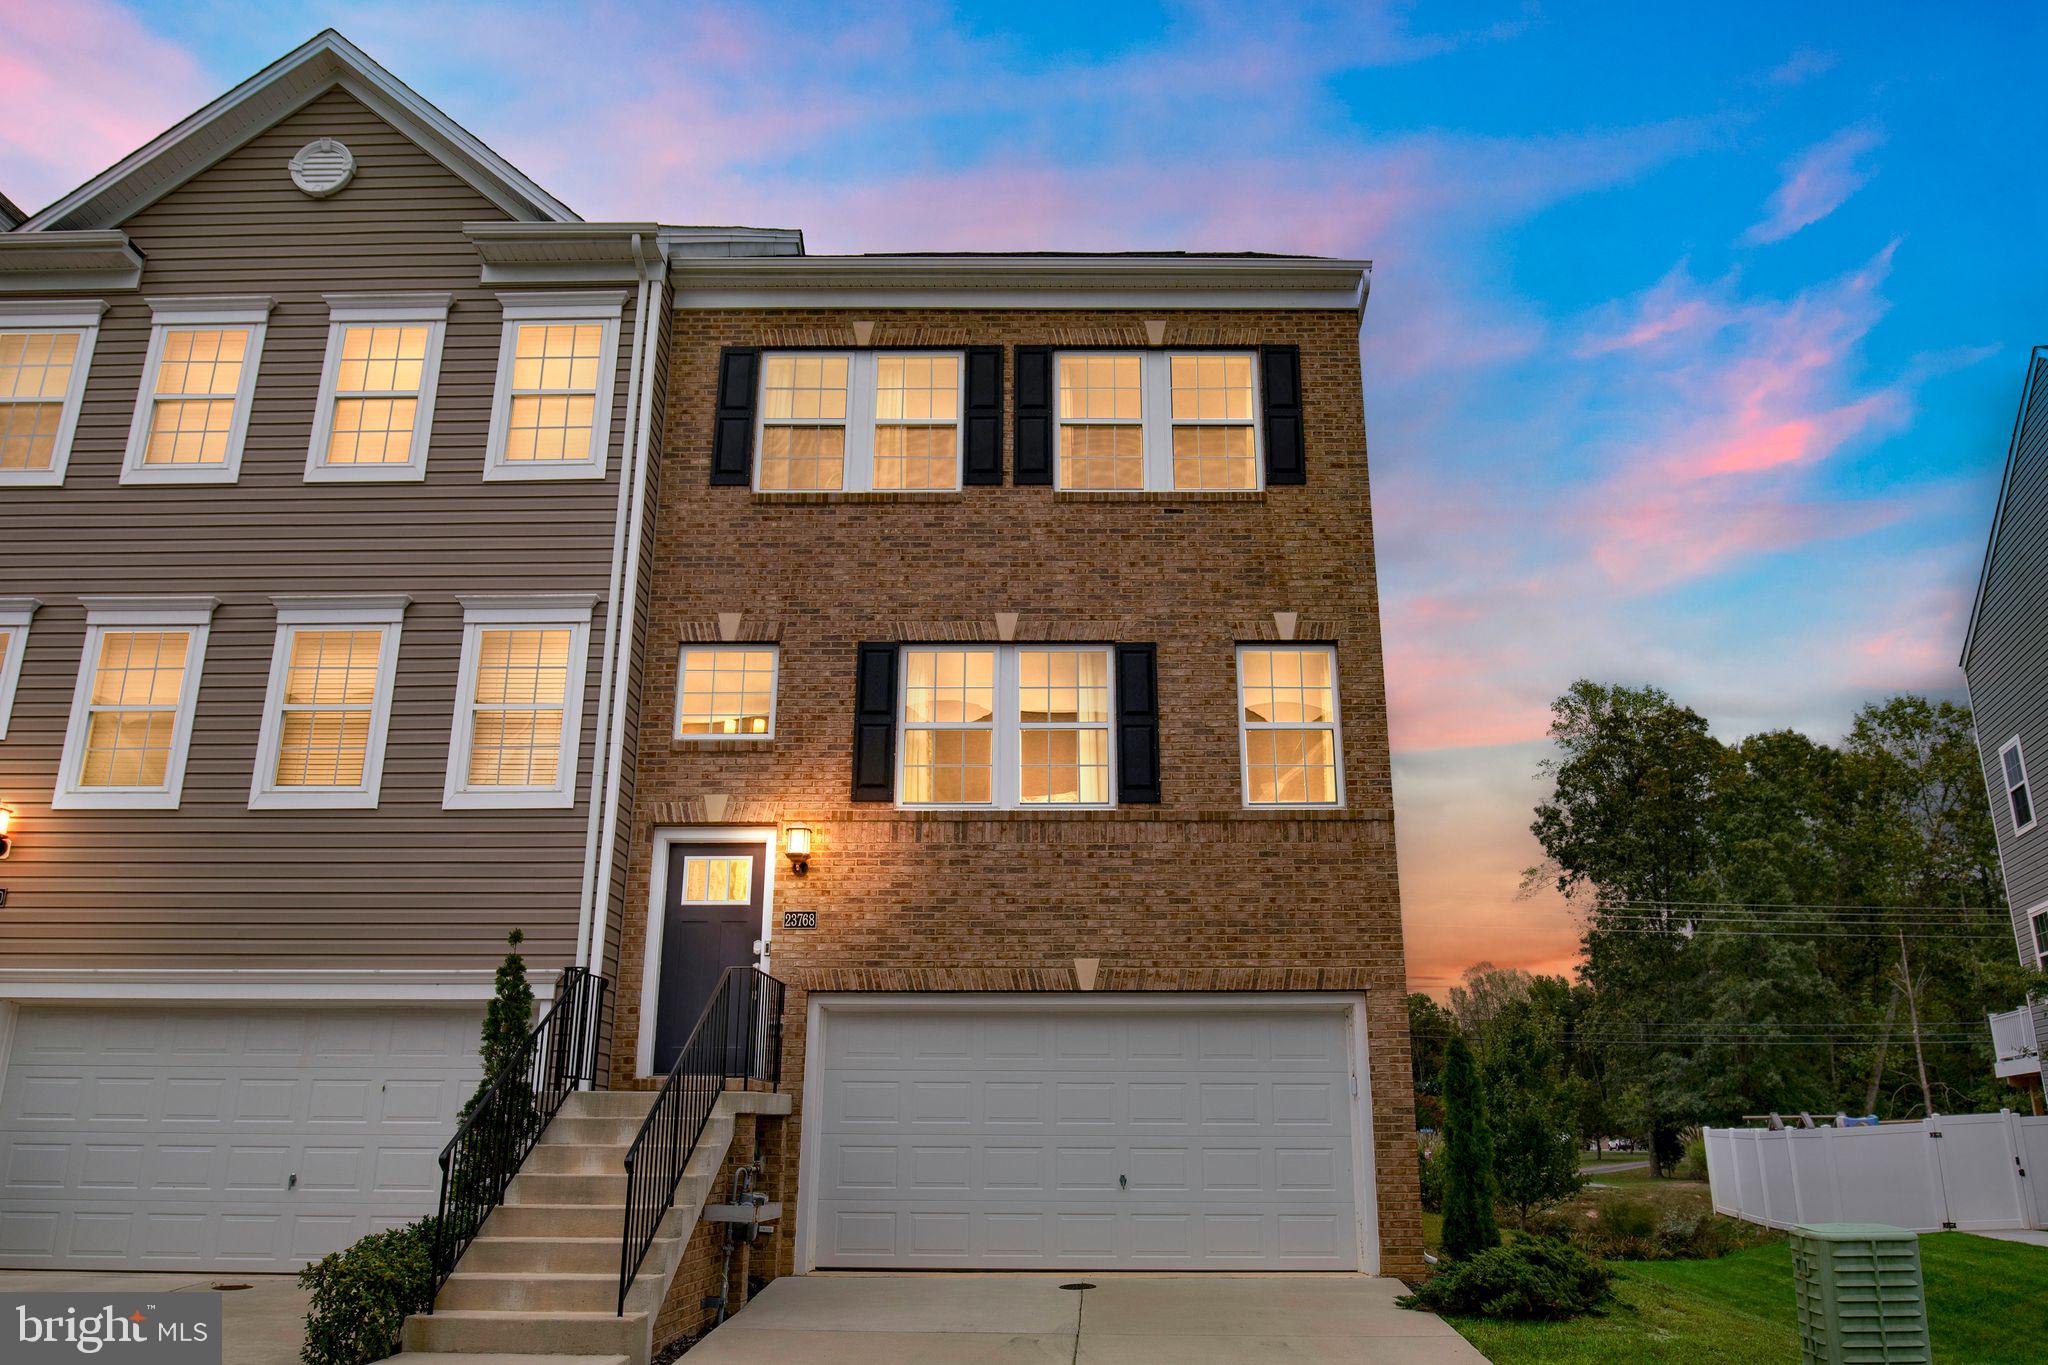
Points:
[214,884]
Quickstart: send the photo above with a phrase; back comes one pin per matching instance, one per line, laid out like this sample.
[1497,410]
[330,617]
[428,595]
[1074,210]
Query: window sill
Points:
[1158,495]
[1091,814]
[114,800]
[508,800]
[941,495]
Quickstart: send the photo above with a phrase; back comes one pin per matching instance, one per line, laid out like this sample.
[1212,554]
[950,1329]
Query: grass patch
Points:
[1983,1296]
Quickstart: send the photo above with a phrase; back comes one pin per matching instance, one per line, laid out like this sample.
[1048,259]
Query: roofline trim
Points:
[2012,453]
[1020,282]
[448,141]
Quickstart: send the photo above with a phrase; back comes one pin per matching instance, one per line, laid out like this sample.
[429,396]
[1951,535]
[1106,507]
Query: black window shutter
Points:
[1280,377]
[1034,415]
[732,446]
[1137,725]
[874,724]
[984,461]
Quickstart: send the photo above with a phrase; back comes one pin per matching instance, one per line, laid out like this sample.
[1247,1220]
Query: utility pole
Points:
[1913,1014]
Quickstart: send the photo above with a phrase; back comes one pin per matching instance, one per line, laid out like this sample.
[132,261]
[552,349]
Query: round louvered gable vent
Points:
[322,167]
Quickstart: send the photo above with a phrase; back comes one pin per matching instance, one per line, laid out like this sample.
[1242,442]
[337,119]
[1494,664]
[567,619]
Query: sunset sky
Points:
[1693,345]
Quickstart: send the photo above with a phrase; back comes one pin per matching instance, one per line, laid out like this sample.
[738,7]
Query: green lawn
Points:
[1984,1299]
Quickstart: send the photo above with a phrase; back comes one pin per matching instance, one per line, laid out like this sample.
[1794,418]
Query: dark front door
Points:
[711,922]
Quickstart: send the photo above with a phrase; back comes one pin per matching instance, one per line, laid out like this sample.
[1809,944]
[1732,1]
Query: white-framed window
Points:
[375,413]
[328,706]
[198,381]
[518,702]
[15,614]
[1289,736]
[1006,726]
[558,366]
[2019,795]
[2040,926]
[726,692]
[45,353]
[717,879]
[131,714]
[859,421]
[1133,421]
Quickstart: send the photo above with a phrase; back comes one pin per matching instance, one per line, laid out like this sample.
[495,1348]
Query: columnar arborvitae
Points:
[1469,1224]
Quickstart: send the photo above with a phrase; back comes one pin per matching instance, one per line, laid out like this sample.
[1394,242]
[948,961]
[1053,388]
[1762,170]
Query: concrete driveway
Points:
[261,1324]
[1027,1319]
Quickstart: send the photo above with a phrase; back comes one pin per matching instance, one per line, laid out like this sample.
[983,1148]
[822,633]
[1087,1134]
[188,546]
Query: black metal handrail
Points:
[508,1112]
[737,1038]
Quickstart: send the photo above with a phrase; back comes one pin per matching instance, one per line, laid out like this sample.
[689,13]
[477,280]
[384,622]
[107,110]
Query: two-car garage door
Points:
[207,1138]
[1137,1135]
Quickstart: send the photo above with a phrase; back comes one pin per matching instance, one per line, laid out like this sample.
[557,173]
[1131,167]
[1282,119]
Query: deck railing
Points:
[506,1116]
[737,1038]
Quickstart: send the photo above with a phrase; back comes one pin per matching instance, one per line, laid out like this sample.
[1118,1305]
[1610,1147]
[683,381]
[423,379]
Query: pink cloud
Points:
[82,84]
[1816,183]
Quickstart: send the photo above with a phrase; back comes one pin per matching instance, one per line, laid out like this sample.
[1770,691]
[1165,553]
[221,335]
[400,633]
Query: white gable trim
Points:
[274,93]
[2012,456]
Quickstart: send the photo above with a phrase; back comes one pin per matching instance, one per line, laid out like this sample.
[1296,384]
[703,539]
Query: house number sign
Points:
[799,919]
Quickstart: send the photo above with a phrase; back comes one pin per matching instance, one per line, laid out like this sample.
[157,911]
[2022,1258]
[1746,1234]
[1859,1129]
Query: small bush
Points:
[1640,1230]
[1432,1181]
[1532,1277]
[1693,1165]
[362,1293]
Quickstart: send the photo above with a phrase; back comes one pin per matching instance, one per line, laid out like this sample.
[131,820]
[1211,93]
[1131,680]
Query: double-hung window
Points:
[1288,726]
[131,714]
[1130,421]
[45,351]
[2040,927]
[519,702]
[328,706]
[726,692]
[2019,795]
[551,417]
[198,382]
[859,421]
[1006,726]
[375,412]
[15,614]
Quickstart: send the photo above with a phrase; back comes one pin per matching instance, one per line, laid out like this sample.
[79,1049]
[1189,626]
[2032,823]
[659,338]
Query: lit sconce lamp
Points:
[796,841]
[6,831]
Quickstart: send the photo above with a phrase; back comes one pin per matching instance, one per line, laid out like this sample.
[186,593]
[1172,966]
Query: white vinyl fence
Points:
[1974,1172]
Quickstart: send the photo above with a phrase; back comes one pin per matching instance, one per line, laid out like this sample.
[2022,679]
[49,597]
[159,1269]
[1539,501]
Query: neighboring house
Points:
[1039,591]
[315,421]
[356,500]
[2005,659]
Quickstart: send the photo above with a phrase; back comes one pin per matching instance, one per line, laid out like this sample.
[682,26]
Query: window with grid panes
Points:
[36,373]
[726,692]
[1005,726]
[1287,698]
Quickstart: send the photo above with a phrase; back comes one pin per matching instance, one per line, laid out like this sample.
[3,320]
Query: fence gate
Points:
[1972,1172]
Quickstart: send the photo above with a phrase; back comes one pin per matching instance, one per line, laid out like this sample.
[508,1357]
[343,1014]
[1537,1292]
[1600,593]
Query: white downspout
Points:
[606,675]
[615,774]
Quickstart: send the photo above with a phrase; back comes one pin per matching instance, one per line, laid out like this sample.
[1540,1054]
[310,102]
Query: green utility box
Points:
[1860,1295]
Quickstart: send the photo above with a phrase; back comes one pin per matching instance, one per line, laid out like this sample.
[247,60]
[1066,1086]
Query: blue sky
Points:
[1694,338]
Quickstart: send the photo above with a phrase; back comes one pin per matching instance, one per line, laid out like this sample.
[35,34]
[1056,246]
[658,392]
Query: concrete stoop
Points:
[539,1285]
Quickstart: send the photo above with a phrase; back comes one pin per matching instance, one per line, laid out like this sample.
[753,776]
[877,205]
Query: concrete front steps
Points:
[541,1281]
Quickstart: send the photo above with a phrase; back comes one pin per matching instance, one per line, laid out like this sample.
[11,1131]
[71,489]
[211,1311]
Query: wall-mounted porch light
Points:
[6,830]
[796,841]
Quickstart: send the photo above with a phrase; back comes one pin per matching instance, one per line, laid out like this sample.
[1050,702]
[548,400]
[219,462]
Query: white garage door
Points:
[1126,1136]
[220,1138]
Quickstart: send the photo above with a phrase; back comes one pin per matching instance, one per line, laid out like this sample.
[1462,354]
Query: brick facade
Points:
[1196,893]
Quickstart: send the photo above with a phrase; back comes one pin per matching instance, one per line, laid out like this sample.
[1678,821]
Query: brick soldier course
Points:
[1196,893]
